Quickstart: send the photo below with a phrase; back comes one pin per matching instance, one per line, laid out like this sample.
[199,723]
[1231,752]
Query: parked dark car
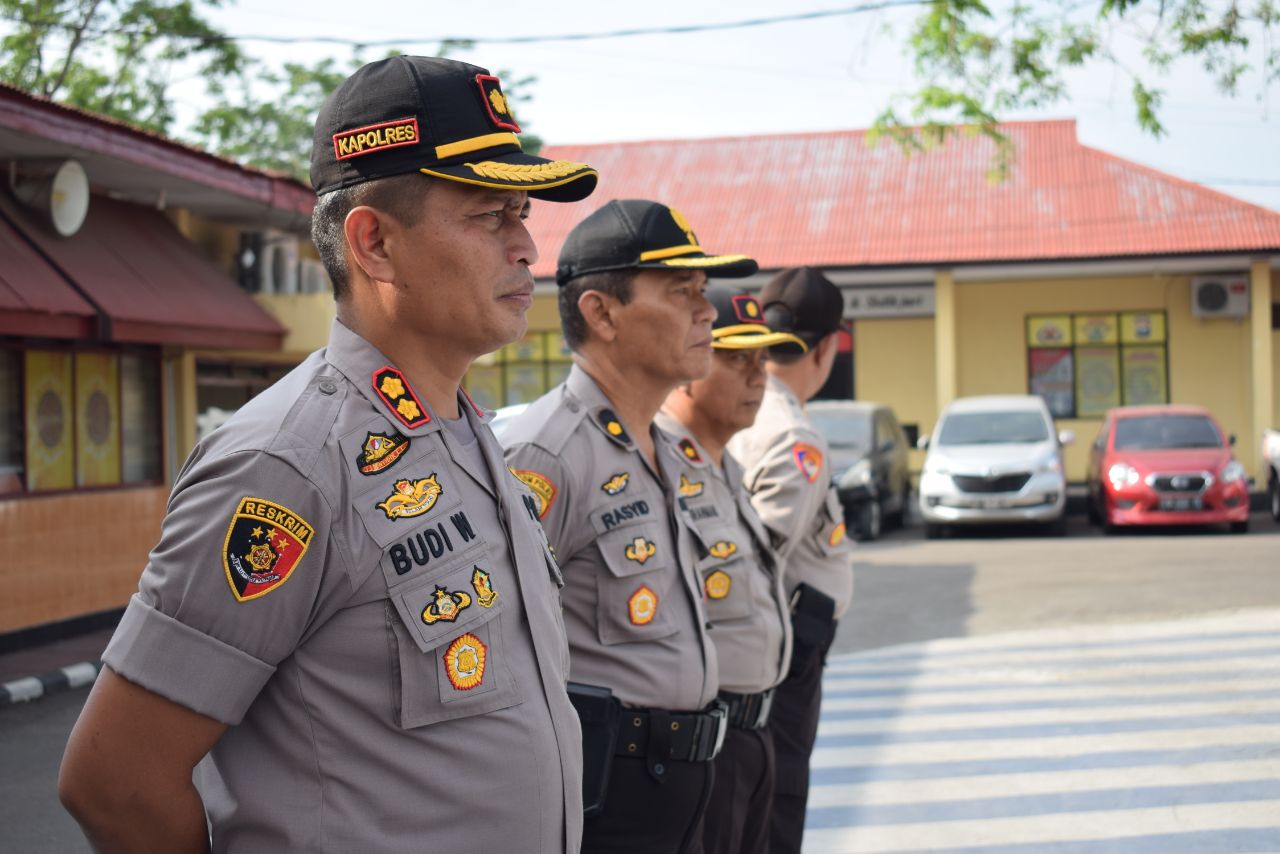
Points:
[868,462]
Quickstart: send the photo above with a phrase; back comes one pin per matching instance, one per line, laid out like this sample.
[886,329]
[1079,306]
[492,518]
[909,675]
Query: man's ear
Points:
[365,230]
[598,311]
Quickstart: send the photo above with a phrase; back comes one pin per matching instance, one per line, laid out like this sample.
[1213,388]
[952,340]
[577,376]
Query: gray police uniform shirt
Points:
[789,478]
[746,603]
[632,600]
[379,625]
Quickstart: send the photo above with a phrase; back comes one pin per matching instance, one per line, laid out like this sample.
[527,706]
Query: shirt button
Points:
[572,406]
[327,387]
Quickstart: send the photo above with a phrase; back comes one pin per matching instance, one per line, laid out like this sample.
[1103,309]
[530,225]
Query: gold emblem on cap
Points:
[498,101]
[683,225]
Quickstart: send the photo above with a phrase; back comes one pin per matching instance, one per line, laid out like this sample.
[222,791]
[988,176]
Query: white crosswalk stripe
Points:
[1157,738]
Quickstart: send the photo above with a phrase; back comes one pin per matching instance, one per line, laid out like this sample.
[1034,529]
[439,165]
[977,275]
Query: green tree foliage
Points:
[115,57]
[980,63]
[120,57]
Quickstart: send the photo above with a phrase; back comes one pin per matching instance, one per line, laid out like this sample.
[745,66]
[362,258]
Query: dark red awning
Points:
[152,285]
[34,299]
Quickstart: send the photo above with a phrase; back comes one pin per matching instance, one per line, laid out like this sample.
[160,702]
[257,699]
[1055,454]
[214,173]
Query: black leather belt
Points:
[748,711]
[658,735]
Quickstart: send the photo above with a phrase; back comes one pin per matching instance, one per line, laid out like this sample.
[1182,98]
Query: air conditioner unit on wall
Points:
[312,278]
[1220,296]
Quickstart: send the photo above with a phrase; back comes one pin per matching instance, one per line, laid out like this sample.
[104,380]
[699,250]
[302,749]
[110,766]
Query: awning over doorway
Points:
[136,271]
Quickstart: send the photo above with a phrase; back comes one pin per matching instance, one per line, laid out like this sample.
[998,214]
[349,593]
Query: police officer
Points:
[352,617]
[631,279]
[789,478]
[741,580]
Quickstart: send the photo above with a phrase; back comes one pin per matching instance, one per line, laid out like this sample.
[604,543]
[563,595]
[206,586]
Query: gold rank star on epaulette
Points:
[395,392]
[611,424]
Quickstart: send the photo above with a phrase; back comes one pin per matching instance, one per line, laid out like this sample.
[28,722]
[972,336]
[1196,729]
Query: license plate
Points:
[994,503]
[1177,504]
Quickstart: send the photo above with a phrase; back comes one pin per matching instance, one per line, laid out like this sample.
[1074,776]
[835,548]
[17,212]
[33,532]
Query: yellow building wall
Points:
[1208,359]
[307,317]
[894,363]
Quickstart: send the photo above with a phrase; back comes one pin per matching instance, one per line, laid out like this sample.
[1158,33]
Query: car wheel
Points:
[1240,527]
[870,521]
[1275,498]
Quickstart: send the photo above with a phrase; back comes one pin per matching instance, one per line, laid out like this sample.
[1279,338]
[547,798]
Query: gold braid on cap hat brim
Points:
[708,261]
[522,173]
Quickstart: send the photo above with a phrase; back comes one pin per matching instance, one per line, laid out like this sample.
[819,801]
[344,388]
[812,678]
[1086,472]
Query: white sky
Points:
[825,74]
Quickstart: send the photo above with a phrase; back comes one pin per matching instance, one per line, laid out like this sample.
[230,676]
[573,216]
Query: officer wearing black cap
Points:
[789,477]
[742,582]
[352,619]
[644,671]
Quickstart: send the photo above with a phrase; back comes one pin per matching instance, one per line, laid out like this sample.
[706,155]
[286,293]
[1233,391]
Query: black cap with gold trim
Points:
[740,324]
[631,234]
[437,116]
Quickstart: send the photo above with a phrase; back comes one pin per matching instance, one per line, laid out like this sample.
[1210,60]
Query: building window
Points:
[78,419]
[1084,364]
[222,387]
[520,372]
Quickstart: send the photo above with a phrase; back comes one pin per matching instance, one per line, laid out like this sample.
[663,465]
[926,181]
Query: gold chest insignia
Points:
[482,583]
[690,488]
[717,584]
[616,484]
[447,606]
[723,549]
[380,452]
[837,535]
[640,550]
[464,662]
[642,607]
[412,497]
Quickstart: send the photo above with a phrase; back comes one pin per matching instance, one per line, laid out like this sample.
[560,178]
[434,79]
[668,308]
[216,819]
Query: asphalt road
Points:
[906,589]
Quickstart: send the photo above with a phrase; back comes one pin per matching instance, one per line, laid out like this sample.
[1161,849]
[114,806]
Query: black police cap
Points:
[803,302]
[436,116]
[629,234]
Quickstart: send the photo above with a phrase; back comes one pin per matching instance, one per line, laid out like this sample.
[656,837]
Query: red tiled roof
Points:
[828,199]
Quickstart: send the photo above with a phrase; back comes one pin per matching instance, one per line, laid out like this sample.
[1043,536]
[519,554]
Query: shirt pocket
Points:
[449,651]
[632,591]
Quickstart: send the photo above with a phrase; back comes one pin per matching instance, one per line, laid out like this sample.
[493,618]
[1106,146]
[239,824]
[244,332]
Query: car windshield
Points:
[842,429]
[1159,432]
[993,428]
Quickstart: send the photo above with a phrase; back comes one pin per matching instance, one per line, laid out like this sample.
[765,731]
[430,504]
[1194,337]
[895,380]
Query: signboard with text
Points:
[888,301]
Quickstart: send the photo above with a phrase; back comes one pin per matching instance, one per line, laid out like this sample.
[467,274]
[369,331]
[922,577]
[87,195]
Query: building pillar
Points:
[944,337]
[1260,364]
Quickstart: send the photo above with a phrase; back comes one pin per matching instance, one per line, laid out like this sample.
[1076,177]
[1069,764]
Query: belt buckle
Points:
[719,713]
[766,704]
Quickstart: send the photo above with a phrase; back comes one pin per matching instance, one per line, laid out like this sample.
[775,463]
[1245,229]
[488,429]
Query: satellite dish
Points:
[63,195]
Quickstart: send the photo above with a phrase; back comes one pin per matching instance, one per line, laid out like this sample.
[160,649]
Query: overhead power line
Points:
[531,39]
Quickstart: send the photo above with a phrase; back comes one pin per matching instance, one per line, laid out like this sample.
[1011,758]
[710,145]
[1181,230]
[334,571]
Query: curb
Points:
[55,682]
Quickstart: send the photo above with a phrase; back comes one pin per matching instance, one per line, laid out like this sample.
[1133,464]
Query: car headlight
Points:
[859,473]
[1052,465]
[1233,472]
[1122,475]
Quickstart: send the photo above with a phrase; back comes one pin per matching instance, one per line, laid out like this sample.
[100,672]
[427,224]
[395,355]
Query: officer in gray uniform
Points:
[741,580]
[352,619]
[789,478]
[631,280]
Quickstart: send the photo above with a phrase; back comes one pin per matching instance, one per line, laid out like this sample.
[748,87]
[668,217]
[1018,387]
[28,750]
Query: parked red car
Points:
[1166,465]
